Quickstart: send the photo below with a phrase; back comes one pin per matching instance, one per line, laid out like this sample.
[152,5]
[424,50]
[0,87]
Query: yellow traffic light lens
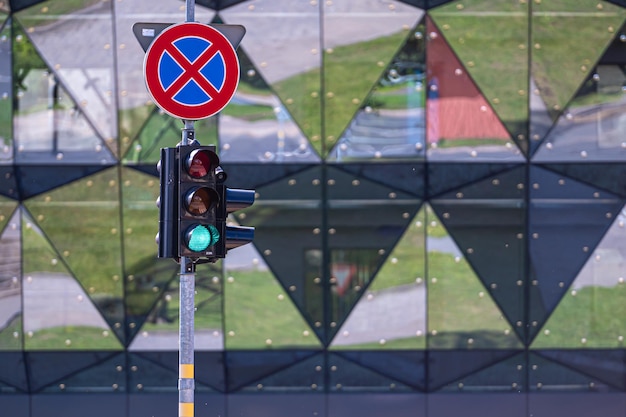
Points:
[200,163]
[200,237]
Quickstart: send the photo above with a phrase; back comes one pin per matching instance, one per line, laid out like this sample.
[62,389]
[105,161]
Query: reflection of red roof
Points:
[456,107]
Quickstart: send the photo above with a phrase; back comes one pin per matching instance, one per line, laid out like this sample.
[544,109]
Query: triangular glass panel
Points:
[496,58]
[7,207]
[487,220]
[306,375]
[34,180]
[50,127]
[159,131]
[295,79]
[546,374]
[461,124]
[149,375]
[10,279]
[347,375]
[6,93]
[590,314]
[246,367]
[8,185]
[209,369]
[105,376]
[390,123]
[89,206]
[567,220]
[445,367]
[257,127]
[557,72]
[153,312]
[406,177]
[605,366]
[46,368]
[13,370]
[392,314]
[446,176]
[359,42]
[258,311]
[508,374]
[148,278]
[408,367]
[17,5]
[288,221]
[593,126]
[360,244]
[58,313]
[90,80]
[607,176]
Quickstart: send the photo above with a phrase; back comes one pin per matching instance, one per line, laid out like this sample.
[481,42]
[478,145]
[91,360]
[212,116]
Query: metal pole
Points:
[191,9]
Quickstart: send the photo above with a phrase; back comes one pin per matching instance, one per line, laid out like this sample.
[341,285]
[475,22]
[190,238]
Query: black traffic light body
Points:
[198,200]
[167,239]
[231,200]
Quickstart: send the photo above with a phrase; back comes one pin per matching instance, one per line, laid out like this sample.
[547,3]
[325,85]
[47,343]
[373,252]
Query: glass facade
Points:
[440,211]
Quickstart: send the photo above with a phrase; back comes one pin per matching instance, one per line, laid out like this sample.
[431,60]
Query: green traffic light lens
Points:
[200,237]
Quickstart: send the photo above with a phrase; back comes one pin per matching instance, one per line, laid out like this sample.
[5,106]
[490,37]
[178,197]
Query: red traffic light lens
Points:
[200,199]
[200,163]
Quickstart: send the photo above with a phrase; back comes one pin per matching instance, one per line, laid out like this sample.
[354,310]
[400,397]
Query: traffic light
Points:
[232,199]
[167,238]
[198,200]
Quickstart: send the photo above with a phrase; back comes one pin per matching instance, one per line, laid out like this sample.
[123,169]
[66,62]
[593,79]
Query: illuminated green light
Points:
[200,237]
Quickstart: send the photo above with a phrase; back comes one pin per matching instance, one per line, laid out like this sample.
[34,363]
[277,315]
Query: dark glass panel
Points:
[13,372]
[508,375]
[148,375]
[87,208]
[255,126]
[34,180]
[306,375]
[346,375]
[404,366]
[283,44]
[567,39]
[359,42]
[391,123]
[46,368]
[11,334]
[392,312]
[8,185]
[608,176]
[567,220]
[246,367]
[105,376]
[491,40]
[50,125]
[461,125]
[446,366]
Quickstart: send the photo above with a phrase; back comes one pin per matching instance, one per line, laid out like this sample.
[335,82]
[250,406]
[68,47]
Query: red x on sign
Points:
[191,71]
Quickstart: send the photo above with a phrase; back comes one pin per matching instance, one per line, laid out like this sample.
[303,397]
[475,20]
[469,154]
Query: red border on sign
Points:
[164,99]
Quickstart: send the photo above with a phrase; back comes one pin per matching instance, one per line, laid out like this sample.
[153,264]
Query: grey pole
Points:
[186,368]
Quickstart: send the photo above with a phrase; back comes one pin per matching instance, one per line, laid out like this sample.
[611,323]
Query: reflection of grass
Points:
[8,341]
[257,310]
[455,143]
[72,338]
[595,314]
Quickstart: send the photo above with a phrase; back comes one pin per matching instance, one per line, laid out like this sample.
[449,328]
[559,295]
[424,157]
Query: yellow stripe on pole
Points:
[186,371]
[185,409]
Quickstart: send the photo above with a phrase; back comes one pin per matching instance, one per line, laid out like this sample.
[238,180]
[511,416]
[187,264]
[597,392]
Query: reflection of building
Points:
[418,250]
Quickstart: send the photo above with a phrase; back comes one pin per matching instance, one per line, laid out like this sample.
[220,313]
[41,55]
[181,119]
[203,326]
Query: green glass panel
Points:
[87,74]
[591,314]
[6,93]
[461,313]
[10,279]
[59,313]
[568,38]
[160,329]
[392,312]
[355,59]
[491,41]
[82,221]
[258,311]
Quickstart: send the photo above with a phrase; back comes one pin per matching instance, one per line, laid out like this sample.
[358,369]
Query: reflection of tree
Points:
[25,59]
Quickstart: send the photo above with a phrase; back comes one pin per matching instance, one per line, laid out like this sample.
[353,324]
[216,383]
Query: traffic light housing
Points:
[198,199]
[231,200]
[167,238]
